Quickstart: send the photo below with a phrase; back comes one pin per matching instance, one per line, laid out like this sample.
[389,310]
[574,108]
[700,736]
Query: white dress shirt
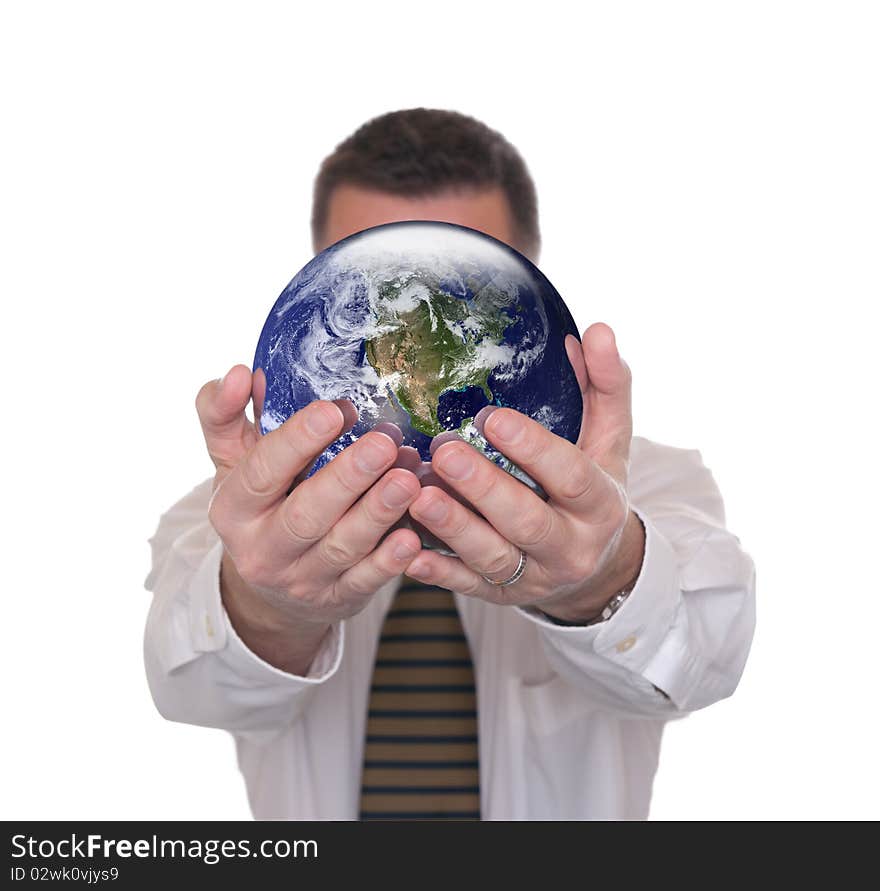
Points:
[570,718]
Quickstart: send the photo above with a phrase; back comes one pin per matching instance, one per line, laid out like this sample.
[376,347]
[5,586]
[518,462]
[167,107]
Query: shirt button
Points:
[626,644]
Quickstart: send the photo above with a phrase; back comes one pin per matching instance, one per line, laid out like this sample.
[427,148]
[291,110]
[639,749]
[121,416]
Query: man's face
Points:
[352,208]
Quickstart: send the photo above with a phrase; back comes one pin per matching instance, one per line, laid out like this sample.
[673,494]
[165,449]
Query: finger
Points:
[576,357]
[408,458]
[573,481]
[449,436]
[429,477]
[387,561]
[358,531]
[221,408]
[559,467]
[392,430]
[608,403]
[258,395]
[603,362]
[481,553]
[350,413]
[434,568]
[262,478]
[318,503]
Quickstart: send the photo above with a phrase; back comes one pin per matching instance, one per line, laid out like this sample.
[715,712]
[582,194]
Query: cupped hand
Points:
[583,543]
[303,551]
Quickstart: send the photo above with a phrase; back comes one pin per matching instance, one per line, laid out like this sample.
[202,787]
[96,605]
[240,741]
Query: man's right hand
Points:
[300,554]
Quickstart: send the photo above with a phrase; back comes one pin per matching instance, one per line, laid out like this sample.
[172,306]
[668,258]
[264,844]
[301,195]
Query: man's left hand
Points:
[583,544]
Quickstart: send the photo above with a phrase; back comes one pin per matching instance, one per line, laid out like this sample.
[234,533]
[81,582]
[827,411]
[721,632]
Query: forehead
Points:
[353,208]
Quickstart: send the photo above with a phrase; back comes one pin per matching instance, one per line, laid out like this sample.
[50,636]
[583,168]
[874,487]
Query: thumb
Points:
[607,401]
[221,408]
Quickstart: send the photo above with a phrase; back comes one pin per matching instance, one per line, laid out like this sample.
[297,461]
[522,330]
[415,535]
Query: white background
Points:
[708,181]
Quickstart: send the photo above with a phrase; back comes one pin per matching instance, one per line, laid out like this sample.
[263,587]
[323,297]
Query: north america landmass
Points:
[430,342]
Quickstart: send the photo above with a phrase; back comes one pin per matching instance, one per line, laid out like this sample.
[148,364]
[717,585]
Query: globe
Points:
[421,323]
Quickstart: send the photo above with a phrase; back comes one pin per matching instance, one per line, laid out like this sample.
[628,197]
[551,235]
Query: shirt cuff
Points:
[635,633]
[211,631]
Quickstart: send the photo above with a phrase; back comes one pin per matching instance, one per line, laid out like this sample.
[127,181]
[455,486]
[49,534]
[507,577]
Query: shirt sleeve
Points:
[681,639]
[198,669]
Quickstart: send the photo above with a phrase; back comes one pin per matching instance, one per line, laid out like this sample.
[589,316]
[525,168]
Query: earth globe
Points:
[422,324]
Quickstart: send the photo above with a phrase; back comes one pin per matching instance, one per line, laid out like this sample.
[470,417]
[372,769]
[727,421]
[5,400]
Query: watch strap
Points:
[607,612]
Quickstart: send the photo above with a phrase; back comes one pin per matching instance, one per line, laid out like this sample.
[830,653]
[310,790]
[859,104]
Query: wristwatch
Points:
[608,611]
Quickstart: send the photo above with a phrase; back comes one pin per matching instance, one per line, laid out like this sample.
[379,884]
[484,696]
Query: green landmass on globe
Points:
[442,343]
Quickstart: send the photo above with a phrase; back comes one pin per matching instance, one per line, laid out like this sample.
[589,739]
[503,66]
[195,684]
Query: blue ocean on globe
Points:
[423,324]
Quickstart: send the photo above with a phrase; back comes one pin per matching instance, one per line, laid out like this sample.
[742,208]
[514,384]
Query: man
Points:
[592,618]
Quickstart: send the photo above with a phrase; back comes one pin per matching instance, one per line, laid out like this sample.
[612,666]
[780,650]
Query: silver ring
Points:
[517,572]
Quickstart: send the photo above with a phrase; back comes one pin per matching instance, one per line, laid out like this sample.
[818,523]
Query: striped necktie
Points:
[420,757]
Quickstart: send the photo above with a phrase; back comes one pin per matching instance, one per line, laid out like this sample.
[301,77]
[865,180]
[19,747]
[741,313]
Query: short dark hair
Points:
[418,152]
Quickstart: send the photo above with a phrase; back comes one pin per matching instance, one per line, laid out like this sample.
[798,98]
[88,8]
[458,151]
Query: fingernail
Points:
[482,415]
[419,568]
[505,426]
[430,477]
[403,551]
[408,458]
[455,463]
[445,436]
[392,430]
[395,495]
[322,419]
[433,512]
[349,413]
[423,471]
[372,454]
